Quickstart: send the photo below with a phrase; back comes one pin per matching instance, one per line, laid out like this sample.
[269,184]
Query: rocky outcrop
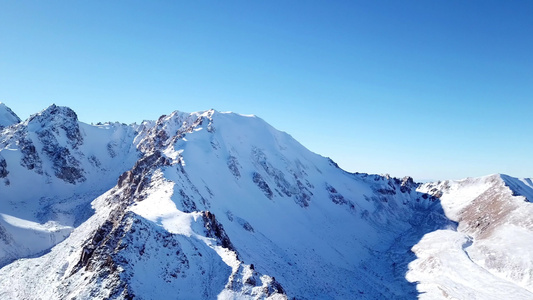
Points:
[214,229]
[262,185]
[291,187]
[55,119]
[167,130]
[30,158]
[233,166]
[134,182]
[3,167]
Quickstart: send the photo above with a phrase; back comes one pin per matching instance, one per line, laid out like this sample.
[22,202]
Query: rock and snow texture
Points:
[51,168]
[218,205]
[490,254]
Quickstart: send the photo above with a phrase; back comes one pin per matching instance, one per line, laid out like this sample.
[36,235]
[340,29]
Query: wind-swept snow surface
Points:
[7,116]
[219,205]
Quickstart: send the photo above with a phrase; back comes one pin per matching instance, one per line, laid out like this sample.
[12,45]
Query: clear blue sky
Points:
[431,89]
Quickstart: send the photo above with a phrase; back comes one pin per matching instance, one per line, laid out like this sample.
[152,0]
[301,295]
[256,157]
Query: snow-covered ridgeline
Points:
[227,203]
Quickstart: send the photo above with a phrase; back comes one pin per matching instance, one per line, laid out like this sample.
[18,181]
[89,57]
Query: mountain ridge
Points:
[229,196]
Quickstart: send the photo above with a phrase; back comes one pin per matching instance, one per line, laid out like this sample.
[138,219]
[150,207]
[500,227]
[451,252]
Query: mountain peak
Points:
[54,112]
[53,116]
[7,116]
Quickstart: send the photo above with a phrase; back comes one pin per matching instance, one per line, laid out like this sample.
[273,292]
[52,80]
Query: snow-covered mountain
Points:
[219,205]
[51,168]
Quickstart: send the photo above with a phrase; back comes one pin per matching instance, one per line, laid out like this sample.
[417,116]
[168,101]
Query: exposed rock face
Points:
[262,185]
[3,167]
[136,180]
[215,230]
[30,158]
[55,119]
[50,125]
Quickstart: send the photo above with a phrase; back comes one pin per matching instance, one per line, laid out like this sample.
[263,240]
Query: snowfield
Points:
[211,205]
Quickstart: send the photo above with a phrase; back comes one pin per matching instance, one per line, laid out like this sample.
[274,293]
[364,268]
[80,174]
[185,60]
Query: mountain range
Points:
[217,205]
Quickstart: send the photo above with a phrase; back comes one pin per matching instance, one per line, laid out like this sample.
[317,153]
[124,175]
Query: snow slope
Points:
[490,255]
[220,205]
[7,116]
